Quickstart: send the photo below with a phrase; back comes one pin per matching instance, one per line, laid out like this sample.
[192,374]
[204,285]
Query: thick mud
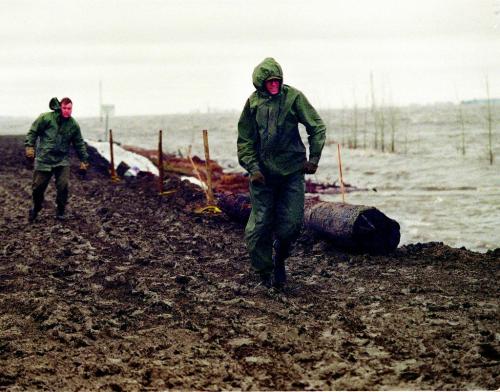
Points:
[136,292]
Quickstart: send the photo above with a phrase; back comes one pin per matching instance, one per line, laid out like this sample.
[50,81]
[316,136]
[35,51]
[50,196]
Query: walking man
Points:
[51,135]
[271,150]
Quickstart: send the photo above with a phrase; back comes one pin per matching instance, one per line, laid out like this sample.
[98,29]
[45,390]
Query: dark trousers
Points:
[41,180]
[277,208]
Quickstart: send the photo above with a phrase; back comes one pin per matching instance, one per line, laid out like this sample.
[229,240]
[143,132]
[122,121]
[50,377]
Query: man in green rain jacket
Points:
[52,134]
[271,150]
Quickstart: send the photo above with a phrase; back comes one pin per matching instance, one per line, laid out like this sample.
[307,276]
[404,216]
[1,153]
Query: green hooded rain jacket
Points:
[55,136]
[268,132]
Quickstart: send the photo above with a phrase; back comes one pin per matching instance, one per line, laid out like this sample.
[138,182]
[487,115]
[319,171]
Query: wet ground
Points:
[136,292]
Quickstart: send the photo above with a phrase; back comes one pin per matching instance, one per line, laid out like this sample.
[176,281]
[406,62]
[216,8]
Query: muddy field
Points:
[136,292]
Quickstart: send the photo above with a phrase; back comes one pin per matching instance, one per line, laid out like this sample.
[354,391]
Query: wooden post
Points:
[210,194]
[160,162]
[112,169]
[342,189]
[195,170]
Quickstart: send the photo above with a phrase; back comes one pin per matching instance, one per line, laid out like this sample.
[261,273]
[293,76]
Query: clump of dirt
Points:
[135,291]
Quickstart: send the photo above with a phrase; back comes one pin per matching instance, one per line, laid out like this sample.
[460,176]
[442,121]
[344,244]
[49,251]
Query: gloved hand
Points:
[309,168]
[84,166]
[82,170]
[258,178]
[30,153]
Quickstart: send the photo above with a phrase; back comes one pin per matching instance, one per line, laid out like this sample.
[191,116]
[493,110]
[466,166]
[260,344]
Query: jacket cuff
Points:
[314,160]
[254,169]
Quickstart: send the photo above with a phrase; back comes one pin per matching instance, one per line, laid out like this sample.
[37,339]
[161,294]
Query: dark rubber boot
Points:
[33,213]
[60,215]
[265,279]
[281,252]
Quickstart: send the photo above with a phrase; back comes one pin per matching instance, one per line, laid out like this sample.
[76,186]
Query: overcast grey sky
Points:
[167,56]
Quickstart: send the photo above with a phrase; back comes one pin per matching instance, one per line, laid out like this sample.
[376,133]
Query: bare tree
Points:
[489,119]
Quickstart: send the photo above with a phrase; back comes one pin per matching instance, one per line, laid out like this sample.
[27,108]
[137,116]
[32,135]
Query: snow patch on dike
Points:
[135,161]
[195,181]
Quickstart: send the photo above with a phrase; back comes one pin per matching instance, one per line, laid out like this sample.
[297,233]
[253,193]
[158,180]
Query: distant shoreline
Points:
[469,102]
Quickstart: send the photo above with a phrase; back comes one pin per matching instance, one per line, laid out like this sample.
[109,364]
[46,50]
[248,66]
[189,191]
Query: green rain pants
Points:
[277,208]
[41,180]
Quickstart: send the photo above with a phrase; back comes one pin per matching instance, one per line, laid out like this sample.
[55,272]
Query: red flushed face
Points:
[66,109]
[273,86]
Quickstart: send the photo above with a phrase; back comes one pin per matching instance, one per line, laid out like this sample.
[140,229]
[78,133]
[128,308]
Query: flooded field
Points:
[436,192]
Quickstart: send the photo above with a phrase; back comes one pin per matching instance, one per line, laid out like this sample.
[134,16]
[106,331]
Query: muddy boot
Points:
[33,213]
[265,279]
[60,215]
[281,252]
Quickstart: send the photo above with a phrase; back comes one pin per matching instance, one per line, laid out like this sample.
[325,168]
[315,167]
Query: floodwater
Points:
[428,185]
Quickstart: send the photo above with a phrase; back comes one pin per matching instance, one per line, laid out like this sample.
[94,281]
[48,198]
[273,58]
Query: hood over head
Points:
[54,104]
[267,69]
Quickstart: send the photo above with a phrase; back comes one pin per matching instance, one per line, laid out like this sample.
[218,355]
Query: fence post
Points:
[342,189]
[160,162]
[210,194]
[114,177]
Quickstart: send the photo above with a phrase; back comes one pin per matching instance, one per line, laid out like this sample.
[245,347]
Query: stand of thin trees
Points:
[378,126]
